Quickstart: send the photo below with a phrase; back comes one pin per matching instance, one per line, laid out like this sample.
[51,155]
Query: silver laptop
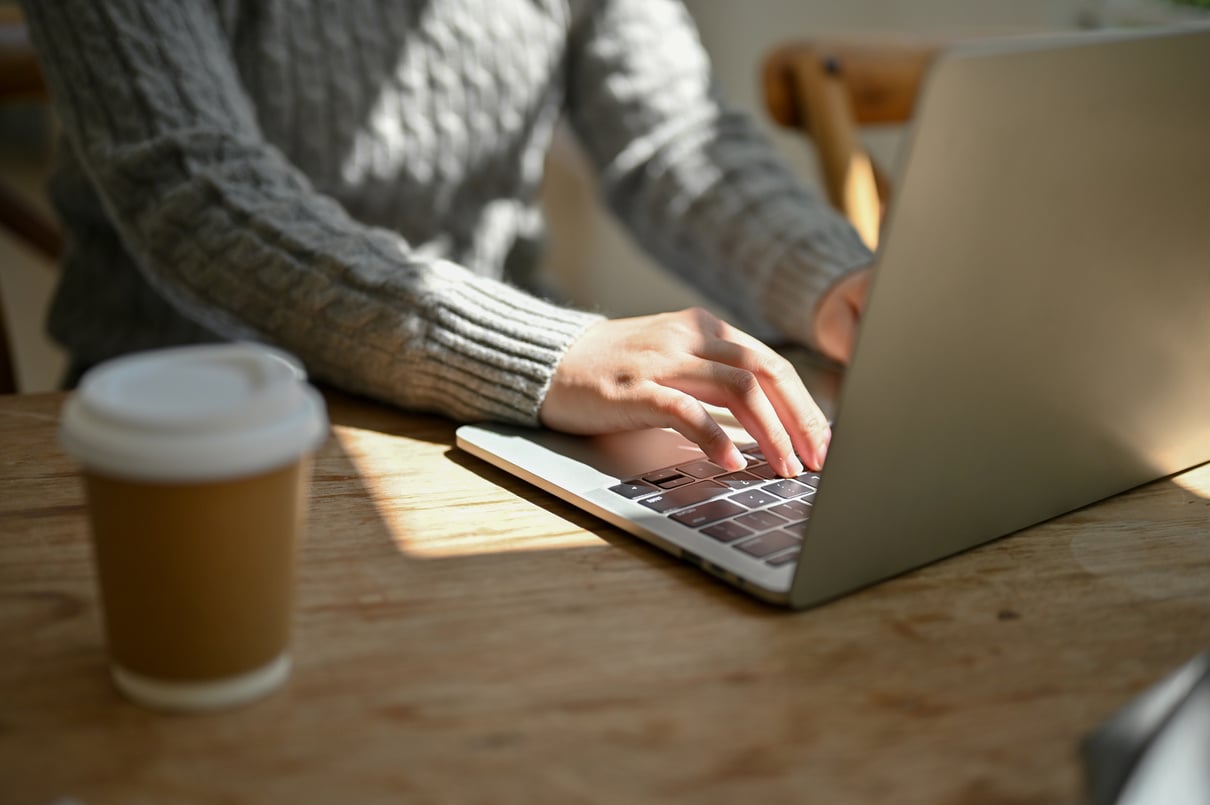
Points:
[1037,335]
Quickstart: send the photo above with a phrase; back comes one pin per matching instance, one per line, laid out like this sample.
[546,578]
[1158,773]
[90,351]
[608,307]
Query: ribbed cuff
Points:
[804,274]
[493,350]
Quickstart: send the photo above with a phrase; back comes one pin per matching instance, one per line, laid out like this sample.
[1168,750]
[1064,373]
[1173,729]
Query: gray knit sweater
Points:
[356,181]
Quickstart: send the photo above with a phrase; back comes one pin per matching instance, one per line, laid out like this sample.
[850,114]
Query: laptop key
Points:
[633,489]
[753,498]
[684,496]
[793,510]
[763,471]
[760,520]
[767,544]
[668,479]
[740,480]
[707,513]
[787,488]
[702,469]
[726,531]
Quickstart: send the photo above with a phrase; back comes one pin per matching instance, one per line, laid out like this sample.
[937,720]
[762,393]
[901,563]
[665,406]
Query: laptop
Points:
[1037,335]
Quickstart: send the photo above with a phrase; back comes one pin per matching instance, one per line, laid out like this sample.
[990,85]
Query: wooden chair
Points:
[827,90]
[21,82]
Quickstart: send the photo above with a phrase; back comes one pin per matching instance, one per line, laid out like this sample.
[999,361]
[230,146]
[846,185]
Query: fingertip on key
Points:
[734,461]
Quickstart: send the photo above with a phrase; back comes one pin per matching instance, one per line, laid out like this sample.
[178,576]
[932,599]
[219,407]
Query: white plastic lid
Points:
[195,413]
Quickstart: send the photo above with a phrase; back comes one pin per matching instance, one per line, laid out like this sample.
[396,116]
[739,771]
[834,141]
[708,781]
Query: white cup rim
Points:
[193,414]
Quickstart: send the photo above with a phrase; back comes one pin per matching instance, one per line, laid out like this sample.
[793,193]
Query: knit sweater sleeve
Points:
[232,234]
[696,182]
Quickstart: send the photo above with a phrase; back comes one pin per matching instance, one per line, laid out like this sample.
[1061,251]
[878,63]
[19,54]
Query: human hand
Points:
[656,371]
[838,315]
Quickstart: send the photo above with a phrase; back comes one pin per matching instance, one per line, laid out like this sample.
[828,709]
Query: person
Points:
[357,183]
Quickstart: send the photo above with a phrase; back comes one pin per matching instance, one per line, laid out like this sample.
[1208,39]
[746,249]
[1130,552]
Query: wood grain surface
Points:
[461,637]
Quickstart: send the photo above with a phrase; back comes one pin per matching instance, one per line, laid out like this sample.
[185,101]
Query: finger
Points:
[729,383]
[668,407]
[740,391]
[792,405]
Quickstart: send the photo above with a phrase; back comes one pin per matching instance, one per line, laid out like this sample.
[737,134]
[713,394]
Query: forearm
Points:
[697,183]
[237,239]
[263,259]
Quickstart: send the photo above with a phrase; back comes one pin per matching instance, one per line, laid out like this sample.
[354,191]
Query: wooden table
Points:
[461,637]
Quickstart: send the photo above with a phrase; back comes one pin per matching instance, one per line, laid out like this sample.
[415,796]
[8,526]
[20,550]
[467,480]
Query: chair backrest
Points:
[827,90]
[21,82]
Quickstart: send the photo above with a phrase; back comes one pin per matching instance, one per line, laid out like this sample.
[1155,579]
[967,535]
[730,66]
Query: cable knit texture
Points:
[357,180]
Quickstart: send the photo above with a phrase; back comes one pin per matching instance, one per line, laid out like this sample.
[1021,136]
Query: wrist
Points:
[798,286]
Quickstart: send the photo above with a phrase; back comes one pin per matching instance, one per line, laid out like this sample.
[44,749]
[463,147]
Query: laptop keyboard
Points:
[753,510]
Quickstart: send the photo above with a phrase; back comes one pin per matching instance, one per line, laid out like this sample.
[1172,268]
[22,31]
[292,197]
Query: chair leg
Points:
[19,218]
[8,376]
[847,170]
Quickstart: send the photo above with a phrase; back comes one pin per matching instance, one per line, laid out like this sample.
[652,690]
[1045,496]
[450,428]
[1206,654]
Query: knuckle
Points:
[715,439]
[776,367]
[781,440]
[701,320]
[818,423]
[814,422]
[676,406]
[742,382]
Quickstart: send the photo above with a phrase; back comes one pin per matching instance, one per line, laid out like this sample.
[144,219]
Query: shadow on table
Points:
[461,527]
[457,627]
[384,506]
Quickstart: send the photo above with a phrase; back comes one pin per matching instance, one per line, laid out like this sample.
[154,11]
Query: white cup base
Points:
[196,697]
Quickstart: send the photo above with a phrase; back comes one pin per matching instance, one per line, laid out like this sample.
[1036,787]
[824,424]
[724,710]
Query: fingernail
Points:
[793,466]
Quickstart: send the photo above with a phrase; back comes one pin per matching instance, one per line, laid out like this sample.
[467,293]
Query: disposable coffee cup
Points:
[196,465]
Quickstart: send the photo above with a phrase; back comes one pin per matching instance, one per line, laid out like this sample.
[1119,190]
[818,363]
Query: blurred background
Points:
[590,260]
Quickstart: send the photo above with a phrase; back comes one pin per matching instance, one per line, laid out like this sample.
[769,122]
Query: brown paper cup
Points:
[196,463]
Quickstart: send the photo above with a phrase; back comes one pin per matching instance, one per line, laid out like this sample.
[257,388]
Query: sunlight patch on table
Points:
[1197,482]
[449,513]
